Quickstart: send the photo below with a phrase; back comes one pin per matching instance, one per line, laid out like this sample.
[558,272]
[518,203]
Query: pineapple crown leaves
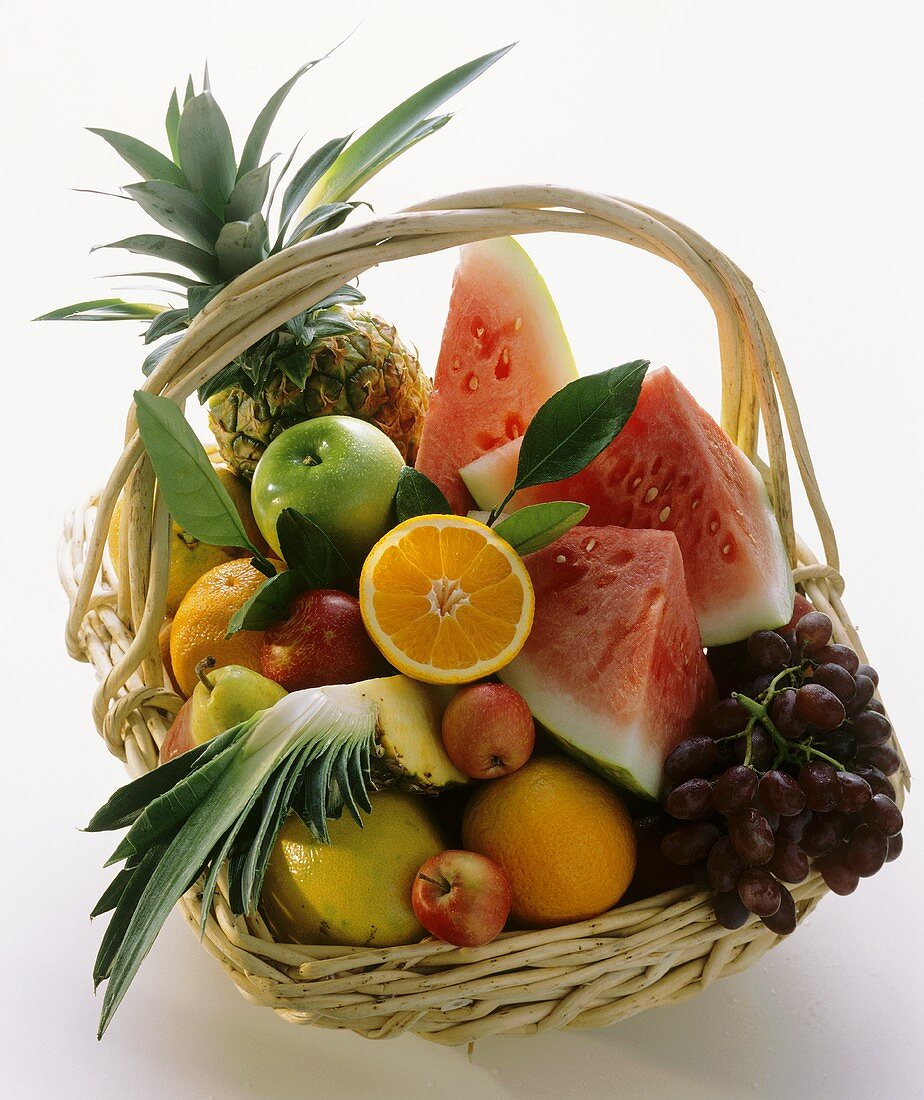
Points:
[222,801]
[217,208]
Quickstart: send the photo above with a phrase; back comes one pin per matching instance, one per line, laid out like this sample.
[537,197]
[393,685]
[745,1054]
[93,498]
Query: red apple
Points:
[462,898]
[488,730]
[179,737]
[323,641]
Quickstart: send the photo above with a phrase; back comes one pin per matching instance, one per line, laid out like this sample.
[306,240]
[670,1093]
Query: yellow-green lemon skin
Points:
[356,891]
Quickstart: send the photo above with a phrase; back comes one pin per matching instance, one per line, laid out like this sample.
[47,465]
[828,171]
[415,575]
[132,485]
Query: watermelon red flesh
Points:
[672,468]
[503,354]
[613,666]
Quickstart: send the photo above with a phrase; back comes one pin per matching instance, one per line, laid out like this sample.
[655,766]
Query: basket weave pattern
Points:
[657,951]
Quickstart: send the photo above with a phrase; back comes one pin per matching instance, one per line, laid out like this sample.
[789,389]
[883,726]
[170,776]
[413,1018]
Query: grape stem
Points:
[757,712]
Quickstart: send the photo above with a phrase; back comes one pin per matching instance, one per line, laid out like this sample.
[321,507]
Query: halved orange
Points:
[445,599]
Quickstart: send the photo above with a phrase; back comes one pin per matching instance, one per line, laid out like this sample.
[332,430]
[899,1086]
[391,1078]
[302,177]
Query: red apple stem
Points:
[444,885]
[202,667]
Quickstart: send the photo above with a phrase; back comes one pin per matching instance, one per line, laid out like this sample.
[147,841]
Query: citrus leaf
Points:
[198,260]
[306,548]
[147,161]
[538,525]
[416,495]
[194,496]
[104,309]
[269,603]
[206,151]
[249,193]
[340,180]
[177,209]
[577,423]
[306,177]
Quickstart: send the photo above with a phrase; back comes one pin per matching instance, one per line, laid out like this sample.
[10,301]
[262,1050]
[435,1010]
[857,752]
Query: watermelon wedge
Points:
[672,468]
[504,353]
[613,666]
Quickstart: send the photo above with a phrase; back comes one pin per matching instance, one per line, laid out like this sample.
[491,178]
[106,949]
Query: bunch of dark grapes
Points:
[791,769]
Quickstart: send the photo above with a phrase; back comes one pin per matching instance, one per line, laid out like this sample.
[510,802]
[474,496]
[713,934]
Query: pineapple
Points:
[334,358]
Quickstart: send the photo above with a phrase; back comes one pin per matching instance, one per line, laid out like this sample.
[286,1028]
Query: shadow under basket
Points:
[653,952]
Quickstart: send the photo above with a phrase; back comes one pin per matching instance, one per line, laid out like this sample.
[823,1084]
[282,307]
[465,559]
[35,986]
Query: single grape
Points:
[878,781]
[693,757]
[876,705]
[867,849]
[833,868]
[734,788]
[883,757]
[820,782]
[813,630]
[768,650]
[837,680]
[691,801]
[882,813]
[789,637]
[864,693]
[759,892]
[729,910]
[726,717]
[781,793]
[751,835]
[789,862]
[760,684]
[841,744]
[819,706]
[824,832]
[855,792]
[895,847]
[772,817]
[783,921]
[870,672]
[785,717]
[871,729]
[689,843]
[838,655]
[792,828]
[723,865]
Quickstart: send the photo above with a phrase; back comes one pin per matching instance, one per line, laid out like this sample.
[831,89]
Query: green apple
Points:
[338,471]
[223,698]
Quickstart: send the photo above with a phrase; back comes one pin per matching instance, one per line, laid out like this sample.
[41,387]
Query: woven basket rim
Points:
[656,951]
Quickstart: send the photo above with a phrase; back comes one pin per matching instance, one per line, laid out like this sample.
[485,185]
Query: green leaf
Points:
[104,309]
[241,246]
[256,139]
[190,90]
[306,548]
[249,194]
[182,281]
[156,356]
[577,423]
[166,323]
[207,152]
[538,525]
[113,892]
[199,297]
[321,220]
[177,209]
[340,180]
[417,133]
[306,177]
[269,603]
[147,161]
[228,376]
[195,497]
[172,125]
[198,260]
[418,496]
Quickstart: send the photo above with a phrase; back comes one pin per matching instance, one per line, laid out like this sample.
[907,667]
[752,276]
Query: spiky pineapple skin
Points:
[369,373]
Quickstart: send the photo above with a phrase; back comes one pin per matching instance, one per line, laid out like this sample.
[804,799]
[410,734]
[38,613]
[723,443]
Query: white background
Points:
[789,134]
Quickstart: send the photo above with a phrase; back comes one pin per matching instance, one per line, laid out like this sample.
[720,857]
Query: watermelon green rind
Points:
[503,354]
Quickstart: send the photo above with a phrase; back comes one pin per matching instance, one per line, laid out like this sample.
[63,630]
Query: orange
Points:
[561,833]
[445,599]
[202,619]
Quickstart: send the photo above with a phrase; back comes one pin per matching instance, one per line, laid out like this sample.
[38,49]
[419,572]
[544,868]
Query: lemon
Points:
[356,891]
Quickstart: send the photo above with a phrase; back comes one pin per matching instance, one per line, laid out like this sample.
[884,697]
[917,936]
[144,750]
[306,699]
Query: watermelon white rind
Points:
[673,468]
[504,353]
[613,666]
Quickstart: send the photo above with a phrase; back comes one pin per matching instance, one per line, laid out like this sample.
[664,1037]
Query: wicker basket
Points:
[653,952]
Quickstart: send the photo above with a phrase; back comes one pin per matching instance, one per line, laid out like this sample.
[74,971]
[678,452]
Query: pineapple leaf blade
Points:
[166,323]
[249,193]
[104,309]
[172,125]
[147,161]
[240,246]
[407,140]
[177,210]
[157,355]
[340,180]
[323,218]
[207,151]
[195,497]
[175,251]
[307,176]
